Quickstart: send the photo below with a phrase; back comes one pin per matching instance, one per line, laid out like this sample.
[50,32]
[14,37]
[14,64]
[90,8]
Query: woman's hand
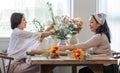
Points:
[70,47]
[45,34]
[62,48]
[48,32]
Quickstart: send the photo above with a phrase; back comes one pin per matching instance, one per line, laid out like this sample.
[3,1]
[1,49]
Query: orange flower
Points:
[55,47]
[57,55]
[77,54]
[80,23]
[53,51]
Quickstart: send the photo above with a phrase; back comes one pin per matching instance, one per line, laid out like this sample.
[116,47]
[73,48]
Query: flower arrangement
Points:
[53,52]
[77,54]
[65,25]
[51,11]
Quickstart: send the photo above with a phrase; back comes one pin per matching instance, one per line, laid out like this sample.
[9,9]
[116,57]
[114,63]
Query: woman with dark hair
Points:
[20,42]
[100,41]
[98,44]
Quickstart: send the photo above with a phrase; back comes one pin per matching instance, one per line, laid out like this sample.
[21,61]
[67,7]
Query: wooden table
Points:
[96,64]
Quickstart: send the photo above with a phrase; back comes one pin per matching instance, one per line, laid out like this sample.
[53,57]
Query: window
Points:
[111,8]
[32,9]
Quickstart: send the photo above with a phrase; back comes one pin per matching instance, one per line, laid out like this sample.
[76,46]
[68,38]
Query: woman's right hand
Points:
[44,34]
[70,47]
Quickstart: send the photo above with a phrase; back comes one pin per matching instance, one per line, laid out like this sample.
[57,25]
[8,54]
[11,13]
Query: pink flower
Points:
[62,27]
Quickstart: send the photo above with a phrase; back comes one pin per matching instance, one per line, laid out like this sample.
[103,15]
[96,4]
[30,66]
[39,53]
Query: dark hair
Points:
[16,19]
[103,29]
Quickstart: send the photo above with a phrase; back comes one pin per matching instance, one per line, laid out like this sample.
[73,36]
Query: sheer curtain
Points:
[7,7]
[111,8]
[32,9]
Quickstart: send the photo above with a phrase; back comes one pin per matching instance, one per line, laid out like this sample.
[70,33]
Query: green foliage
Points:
[39,27]
[51,11]
[46,54]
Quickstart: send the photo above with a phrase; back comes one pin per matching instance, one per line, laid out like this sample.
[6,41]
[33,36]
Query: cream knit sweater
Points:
[98,43]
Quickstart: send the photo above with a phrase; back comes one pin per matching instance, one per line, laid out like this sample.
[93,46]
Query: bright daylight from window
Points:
[111,8]
[32,9]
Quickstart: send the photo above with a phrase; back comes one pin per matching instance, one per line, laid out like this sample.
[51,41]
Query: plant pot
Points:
[73,40]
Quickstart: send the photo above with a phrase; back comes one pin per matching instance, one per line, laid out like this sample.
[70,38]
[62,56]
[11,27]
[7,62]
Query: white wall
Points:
[4,43]
[81,8]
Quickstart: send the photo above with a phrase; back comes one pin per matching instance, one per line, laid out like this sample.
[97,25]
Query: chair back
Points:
[4,57]
[116,55]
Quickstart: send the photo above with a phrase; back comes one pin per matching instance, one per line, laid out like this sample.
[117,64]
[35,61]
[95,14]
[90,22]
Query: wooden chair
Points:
[4,57]
[116,55]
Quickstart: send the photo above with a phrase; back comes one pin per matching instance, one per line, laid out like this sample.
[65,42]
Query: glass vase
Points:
[62,43]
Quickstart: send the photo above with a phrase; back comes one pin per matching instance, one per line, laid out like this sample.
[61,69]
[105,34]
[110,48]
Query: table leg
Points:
[74,69]
[47,68]
[96,68]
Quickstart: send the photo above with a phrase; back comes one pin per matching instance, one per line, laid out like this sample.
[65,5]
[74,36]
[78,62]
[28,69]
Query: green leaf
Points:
[46,54]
